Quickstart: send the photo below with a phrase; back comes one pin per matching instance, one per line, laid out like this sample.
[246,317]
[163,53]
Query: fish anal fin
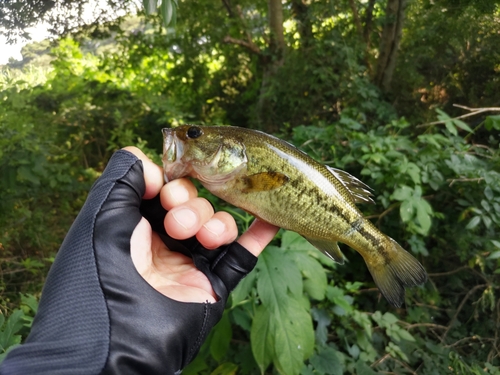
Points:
[401,270]
[263,181]
[361,193]
[329,248]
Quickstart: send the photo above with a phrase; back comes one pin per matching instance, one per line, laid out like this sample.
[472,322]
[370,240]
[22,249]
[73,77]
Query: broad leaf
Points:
[262,338]
[277,276]
[327,361]
[222,335]
[294,337]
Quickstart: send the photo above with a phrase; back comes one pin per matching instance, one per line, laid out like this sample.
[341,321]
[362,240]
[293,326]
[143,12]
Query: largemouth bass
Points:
[279,184]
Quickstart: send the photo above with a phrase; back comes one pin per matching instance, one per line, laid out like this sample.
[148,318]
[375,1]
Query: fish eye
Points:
[194,132]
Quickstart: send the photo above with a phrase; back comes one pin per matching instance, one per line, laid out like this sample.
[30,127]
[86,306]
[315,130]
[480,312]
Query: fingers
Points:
[190,216]
[153,174]
[258,236]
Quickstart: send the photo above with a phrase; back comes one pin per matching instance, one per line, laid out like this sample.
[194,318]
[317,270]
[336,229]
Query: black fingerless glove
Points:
[97,315]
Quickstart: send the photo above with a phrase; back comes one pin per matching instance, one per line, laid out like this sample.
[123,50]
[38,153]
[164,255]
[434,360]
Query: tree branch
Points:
[251,46]
[467,296]
[473,112]
[248,44]
[227,5]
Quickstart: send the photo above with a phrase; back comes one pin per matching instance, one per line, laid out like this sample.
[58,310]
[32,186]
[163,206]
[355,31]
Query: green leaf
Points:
[451,127]
[405,335]
[284,336]
[222,335]
[243,289]
[150,6]
[389,319]
[492,122]
[448,121]
[327,361]
[323,320]
[30,301]
[294,241]
[474,222]
[227,368]
[402,193]
[424,210]
[488,193]
[364,321]
[486,220]
[363,369]
[462,125]
[277,274]
[407,211]
[168,12]
[336,295]
[261,338]
[414,172]
[294,337]
[8,335]
[494,255]
[314,273]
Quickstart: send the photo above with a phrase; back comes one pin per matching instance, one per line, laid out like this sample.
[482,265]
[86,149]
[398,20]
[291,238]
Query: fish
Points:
[278,183]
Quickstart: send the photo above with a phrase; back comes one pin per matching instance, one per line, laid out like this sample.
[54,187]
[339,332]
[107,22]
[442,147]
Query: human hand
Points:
[117,300]
[173,273]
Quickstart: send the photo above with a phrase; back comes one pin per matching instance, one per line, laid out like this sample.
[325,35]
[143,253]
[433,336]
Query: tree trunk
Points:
[389,43]
[277,37]
[276,57]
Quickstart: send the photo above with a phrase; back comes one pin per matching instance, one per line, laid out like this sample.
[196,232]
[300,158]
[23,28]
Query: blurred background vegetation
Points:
[401,93]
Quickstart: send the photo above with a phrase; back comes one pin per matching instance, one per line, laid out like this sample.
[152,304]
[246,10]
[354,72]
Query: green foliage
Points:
[16,326]
[436,186]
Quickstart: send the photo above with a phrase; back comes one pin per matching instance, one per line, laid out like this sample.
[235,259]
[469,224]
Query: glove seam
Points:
[218,259]
[199,339]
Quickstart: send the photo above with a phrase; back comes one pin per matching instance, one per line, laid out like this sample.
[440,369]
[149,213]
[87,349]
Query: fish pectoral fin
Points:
[263,181]
[329,248]
[361,193]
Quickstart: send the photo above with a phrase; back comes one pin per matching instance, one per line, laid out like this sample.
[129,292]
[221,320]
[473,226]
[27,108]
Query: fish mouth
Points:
[173,150]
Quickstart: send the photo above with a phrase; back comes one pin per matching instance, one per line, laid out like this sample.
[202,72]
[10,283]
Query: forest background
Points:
[403,94]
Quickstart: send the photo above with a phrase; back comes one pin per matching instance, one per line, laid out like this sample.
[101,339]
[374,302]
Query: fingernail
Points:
[185,218]
[179,193]
[215,226]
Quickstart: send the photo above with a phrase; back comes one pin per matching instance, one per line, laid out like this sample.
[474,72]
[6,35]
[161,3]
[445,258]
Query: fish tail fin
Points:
[398,270]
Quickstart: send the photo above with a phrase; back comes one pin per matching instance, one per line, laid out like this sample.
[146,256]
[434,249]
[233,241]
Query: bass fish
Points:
[277,183]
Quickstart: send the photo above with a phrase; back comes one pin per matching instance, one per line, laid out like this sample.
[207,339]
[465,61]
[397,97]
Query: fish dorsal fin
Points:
[361,193]
[263,181]
[329,248]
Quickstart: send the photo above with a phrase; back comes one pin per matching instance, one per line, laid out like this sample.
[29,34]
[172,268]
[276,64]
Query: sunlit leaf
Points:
[168,12]
[150,6]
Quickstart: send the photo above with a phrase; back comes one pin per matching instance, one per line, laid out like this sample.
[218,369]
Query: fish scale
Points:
[282,185]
